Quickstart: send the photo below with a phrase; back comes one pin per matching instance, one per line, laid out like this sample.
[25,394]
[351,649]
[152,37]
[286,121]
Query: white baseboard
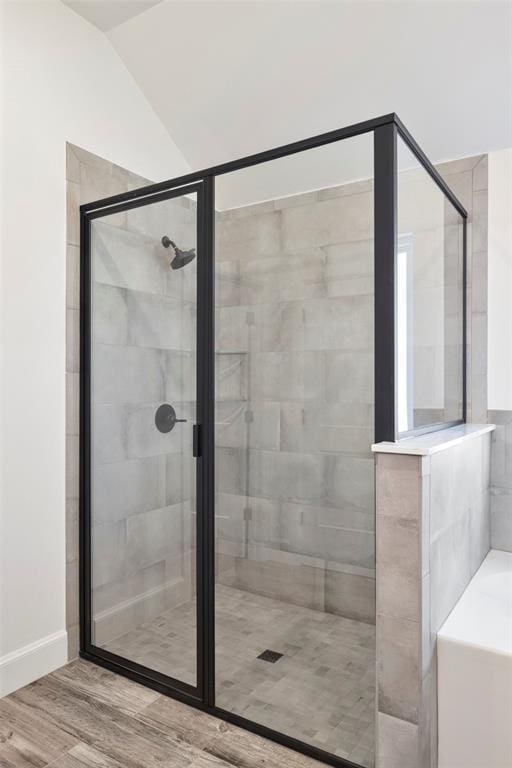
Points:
[33,661]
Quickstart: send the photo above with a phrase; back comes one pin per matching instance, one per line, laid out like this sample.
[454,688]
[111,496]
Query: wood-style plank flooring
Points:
[83,716]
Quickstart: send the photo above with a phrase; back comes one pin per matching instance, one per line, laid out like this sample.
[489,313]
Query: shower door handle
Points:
[166,419]
[196,441]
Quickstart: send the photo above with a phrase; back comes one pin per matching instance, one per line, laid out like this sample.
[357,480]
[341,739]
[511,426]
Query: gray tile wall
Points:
[143,340]
[430,230]
[142,355]
[295,509]
[433,532]
[468,178]
[501,481]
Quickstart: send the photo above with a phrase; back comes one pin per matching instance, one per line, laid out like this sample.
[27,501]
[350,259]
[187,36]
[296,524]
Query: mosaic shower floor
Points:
[321,690]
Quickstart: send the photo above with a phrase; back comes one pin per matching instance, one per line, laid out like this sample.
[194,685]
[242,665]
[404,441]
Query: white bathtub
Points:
[475,671]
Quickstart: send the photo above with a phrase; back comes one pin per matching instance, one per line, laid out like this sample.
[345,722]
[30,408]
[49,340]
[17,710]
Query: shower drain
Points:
[271,656]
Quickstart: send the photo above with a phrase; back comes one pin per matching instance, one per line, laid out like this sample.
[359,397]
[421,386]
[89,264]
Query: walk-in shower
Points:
[228,410]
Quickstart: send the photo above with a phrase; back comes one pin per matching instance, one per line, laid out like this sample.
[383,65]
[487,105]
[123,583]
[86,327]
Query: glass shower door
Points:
[143,408]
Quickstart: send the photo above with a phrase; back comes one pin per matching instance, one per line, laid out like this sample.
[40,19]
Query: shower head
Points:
[181,258]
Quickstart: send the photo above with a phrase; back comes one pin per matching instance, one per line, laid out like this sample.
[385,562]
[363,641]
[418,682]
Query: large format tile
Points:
[127,374]
[248,328]
[288,476]
[72,164]
[399,487]
[249,237]
[479,530]
[349,481]
[227,283]
[156,535]
[284,277]
[334,428]
[174,218]
[109,553]
[341,323]
[109,314]
[349,268]
[73,213]
[397,743]
[350,595]
[501,519]
[231,376]
[349,377]
[450,569]
[112,596]
[108,434]
[159,321]
[73,277]
[286,375]
[144,439]
[242,425]
[231,470]
[336,542]
[128,259]
[72,466]
[72,340]
[125,488]
[341,219]
[72,403]
[398,643]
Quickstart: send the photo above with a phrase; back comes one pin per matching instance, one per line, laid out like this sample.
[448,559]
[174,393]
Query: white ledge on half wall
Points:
[425,445]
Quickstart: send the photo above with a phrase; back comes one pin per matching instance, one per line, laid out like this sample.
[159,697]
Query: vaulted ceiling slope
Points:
[231,78]
[107,14]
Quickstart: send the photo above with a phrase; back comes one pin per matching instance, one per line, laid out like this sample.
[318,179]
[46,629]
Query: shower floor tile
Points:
[321,690]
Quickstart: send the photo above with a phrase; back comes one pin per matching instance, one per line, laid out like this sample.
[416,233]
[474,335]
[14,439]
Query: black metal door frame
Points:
[202,434]
[386,129]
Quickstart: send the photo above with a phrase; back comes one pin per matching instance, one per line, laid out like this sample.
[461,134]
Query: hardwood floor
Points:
[83,716]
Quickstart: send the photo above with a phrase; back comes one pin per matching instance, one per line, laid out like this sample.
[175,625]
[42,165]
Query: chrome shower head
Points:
[181,258]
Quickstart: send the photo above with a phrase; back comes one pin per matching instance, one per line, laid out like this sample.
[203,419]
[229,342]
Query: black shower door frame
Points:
[202,434]
[386,130]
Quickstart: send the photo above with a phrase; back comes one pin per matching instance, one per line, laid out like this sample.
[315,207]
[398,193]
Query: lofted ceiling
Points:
[106,14]
[231,78]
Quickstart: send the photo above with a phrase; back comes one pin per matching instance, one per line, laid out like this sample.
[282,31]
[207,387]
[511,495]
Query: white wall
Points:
[500,280]
[61,81]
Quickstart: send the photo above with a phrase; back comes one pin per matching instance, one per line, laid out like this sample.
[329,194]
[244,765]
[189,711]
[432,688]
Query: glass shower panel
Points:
[143,406]
[429,300]
[295,524]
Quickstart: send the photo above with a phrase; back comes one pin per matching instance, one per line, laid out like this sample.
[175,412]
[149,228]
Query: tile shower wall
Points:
[132,498]
[468,179]
[88,177]
[143,342]
[294,353]
[431,237]
[501,479]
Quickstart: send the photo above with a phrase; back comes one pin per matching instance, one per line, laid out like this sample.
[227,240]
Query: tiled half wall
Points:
[433,532]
